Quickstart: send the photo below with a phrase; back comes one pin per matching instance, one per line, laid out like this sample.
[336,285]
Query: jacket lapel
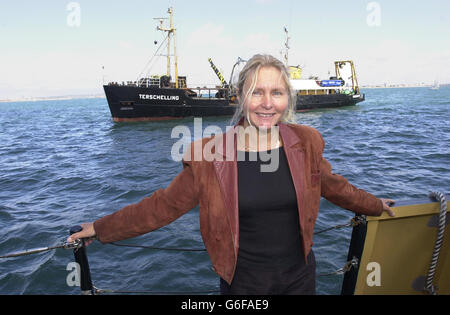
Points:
[225,166]
[295,154]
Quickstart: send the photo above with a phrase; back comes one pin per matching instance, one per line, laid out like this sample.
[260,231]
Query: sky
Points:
[58,47]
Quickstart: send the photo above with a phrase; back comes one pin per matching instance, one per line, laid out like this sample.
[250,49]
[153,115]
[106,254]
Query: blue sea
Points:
[66,162]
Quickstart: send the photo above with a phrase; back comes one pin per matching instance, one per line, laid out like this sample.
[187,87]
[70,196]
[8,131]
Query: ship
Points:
[339,90]
[159,97]
[329,93]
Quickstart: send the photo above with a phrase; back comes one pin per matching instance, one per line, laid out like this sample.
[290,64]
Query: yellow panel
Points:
[402,248]
[295,73]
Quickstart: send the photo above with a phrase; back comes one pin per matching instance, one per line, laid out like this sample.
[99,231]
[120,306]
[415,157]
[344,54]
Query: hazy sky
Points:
[48,49]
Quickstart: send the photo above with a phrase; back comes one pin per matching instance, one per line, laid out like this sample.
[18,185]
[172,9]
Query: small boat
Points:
[435,85]
[405,254]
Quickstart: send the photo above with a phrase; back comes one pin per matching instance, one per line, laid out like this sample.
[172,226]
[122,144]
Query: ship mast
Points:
[171,32]
[295,72]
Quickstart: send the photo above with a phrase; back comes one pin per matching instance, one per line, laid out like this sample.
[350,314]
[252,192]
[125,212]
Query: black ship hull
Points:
[306,102]
[132,103]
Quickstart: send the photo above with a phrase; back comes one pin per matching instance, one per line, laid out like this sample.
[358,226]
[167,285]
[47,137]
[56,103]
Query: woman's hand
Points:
[386,206]
[87,232]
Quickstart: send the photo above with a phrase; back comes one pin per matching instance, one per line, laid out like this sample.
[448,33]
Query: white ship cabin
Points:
[344,82]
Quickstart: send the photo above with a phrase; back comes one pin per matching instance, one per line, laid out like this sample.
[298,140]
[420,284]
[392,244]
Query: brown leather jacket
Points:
[212,183]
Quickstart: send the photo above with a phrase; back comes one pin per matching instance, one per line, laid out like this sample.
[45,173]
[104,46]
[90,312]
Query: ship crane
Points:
[218,73]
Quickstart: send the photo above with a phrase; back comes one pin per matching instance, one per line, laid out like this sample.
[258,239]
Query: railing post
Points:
[82,261]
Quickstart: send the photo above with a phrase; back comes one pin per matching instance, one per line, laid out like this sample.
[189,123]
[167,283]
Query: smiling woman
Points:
[265,98]
[269,99]
[276,84]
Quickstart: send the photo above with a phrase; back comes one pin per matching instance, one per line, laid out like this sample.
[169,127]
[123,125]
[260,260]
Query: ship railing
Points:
[124,83]
[150,82]
[210,93]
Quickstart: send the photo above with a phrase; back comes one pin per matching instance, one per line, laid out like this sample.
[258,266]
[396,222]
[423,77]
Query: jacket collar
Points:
[290,138]
[225,144]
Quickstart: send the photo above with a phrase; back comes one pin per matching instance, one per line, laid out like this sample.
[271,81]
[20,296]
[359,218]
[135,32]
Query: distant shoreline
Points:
[50,98]
[394,86]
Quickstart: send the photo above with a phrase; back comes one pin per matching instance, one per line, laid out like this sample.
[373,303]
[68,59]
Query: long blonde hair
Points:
[250,72]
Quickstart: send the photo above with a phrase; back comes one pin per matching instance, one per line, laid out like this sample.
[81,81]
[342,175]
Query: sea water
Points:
[66,162]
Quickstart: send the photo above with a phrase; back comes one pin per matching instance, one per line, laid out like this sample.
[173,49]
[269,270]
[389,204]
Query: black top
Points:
[269,233]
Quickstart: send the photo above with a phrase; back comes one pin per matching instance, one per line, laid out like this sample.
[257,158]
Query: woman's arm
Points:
[339,191]
[151,213]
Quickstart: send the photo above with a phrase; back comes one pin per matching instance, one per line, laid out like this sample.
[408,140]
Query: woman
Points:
[257,223]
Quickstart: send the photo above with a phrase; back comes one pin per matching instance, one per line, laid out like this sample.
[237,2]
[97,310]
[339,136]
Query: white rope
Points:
[429,286]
